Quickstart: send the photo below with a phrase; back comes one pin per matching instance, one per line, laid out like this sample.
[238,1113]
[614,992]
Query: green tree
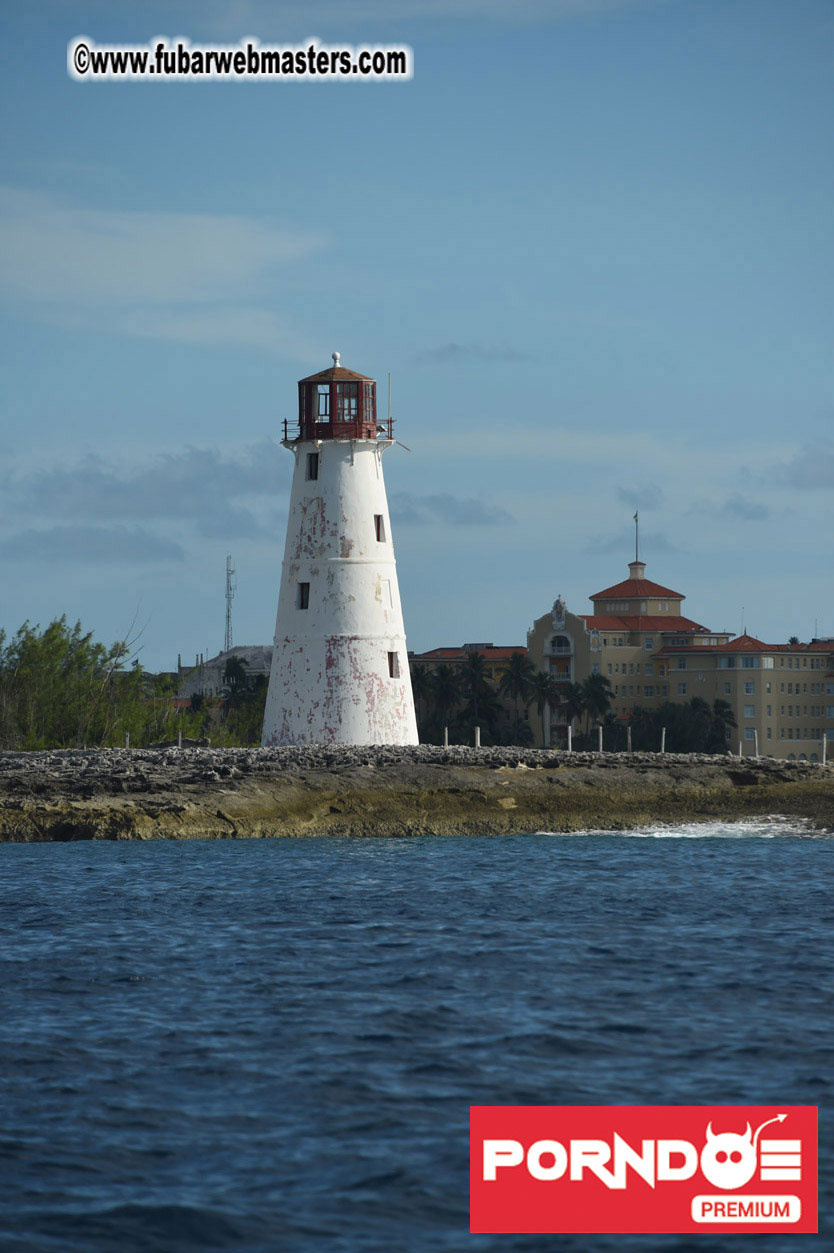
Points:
[446,690]
[573,699]
[596,693]
[234,675]
[421,688]
[515,684]
[60,688]
[545,692]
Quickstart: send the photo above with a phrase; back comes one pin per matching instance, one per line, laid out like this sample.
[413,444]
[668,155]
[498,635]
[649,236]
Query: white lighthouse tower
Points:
[340,667]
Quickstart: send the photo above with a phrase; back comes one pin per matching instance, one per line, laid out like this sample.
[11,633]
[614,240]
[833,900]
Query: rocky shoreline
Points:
[194,793]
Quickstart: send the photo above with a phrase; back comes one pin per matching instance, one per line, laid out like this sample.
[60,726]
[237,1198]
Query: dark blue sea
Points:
[264,1045]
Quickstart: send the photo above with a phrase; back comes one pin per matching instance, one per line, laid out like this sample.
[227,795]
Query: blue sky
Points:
[591,241]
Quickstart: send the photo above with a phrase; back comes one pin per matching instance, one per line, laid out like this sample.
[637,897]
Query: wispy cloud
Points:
[452,352]
[201,486]
[96,545]
[448,510]
[617,541]
[649,496]
[195,277]
[746,510]
[813,468]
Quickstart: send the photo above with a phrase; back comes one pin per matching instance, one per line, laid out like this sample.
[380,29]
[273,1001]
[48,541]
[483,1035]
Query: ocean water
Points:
[273,1045]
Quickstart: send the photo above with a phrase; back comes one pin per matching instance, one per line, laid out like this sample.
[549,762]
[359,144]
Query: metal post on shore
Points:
[663,739]
[824,746]
[740,753]
[127,739]
[179,739]
[599,729]
[570,738]
[755,742]
[477,737]
[628,737]
[445,737]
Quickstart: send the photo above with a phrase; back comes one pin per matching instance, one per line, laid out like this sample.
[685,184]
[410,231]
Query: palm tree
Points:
[234,674]
[545,692]
[515,683]
[723,719]
[573,698]
[446,689]
[474,682]
[420,687]
[597,693]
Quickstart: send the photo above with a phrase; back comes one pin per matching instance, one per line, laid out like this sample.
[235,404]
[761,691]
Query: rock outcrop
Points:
[251,792]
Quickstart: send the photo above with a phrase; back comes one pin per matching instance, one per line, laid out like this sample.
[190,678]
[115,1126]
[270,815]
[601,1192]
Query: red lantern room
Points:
[338,404]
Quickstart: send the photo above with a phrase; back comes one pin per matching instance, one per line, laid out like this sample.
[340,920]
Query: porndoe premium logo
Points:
[643,1168]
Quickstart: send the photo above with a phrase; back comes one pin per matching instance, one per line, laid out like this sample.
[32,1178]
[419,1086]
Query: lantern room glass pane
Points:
[347,400]
[323,403]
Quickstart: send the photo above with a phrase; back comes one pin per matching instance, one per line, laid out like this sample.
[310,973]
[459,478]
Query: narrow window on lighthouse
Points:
[393,666]
[323,407]
[304,596]
[379,527]
[312,465]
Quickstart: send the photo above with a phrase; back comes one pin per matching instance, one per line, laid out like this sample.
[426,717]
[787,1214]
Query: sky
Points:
[590,240]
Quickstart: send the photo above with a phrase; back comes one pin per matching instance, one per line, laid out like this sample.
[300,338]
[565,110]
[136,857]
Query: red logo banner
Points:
[643,1168]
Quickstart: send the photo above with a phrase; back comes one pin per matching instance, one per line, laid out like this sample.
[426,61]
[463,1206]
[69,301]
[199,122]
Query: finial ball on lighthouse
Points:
[340,666]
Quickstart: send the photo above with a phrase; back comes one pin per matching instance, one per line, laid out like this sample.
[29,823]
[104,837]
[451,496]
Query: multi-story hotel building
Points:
[782,695]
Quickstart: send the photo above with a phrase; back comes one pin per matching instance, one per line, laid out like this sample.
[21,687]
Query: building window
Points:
[768,733]
[749,689]
[769,711]
[648,643]
[379,527]
[767,688]
[609,667]
[664,605]
[393,666]
[728,687]
[749,663]
[681,663]
[749,711]
[649,667]
[312,466]
[303,599]
[649,691]
[681,689]
[595,668]
[749,733]
[323,402]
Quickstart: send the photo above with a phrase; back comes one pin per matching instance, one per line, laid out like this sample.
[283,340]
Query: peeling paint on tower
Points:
[340,666]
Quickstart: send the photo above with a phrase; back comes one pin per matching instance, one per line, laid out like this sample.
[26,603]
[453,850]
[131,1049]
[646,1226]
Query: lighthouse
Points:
[339,667]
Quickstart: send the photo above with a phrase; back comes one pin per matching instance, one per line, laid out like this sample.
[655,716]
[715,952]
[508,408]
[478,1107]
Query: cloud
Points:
[648,497]
[192,277]
[249,327]
[813,468]
[53,251]
[197,485]
[747,510]
[90,544]
[623,542]
[447,510]
[453,352]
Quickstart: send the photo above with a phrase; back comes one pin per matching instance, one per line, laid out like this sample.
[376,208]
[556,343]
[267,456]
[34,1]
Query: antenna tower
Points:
[231,588]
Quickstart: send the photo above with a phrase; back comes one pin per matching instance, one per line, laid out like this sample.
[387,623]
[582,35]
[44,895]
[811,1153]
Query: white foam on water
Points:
[773,827]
